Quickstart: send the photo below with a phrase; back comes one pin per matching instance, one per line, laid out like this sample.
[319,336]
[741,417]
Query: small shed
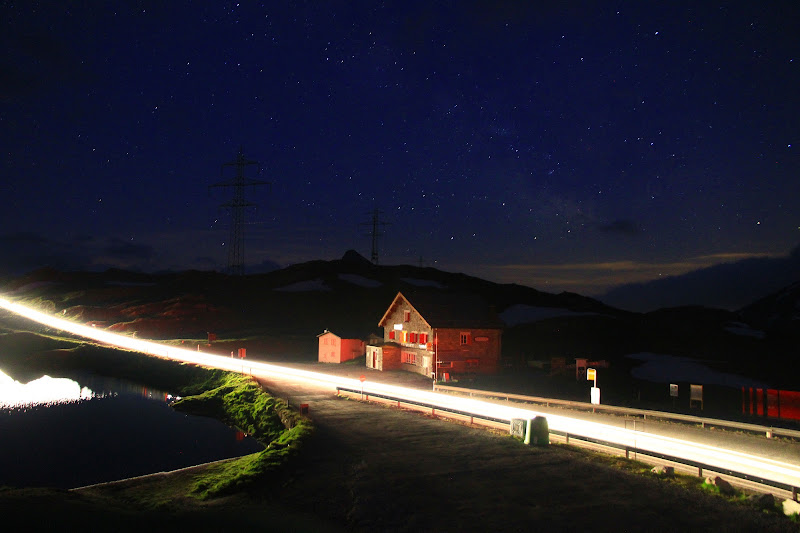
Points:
[336,349]
[384,356]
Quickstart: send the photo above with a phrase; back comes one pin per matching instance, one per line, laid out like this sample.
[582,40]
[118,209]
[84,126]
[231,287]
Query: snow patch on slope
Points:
[305,286]
[361,281]
[737,328]
[424,283]
[661,368]
[523,314]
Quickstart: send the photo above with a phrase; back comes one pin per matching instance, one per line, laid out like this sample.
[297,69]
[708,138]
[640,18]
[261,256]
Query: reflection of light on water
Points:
[45,390]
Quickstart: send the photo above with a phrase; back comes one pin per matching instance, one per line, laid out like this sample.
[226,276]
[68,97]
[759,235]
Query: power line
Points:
[236,206]
[376,232]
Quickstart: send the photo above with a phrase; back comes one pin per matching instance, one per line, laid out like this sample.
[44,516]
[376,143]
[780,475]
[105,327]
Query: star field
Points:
[541,145]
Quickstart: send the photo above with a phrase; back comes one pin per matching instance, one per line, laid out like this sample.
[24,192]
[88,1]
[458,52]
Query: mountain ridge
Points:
[351,294]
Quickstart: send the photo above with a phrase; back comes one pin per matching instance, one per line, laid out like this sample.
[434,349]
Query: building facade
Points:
[335,349]
[439,335]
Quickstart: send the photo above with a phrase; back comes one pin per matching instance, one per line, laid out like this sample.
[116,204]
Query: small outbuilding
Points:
[336,349]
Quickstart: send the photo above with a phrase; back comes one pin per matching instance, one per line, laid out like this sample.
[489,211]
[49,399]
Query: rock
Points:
[667,471]
[724,487]
[791,507]
[762,501]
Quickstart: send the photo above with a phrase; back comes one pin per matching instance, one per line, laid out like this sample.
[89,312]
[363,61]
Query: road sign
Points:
[362,378]
[595,396]
[591,374]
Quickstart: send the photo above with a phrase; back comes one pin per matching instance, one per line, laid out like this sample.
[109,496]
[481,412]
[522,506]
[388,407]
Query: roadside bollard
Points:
[538,432]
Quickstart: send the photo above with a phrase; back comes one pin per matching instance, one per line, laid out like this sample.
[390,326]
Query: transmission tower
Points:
[376,232]
[236,206]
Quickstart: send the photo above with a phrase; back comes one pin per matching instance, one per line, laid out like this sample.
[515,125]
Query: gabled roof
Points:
[447,310]
[354,336]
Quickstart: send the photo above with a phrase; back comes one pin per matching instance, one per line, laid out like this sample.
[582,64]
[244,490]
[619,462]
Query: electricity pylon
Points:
[376,232]
[236,206]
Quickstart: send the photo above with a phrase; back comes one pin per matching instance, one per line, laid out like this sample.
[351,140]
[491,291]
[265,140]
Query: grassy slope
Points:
[239,401]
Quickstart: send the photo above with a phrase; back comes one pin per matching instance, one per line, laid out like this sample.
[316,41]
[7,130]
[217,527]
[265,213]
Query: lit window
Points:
[409,358]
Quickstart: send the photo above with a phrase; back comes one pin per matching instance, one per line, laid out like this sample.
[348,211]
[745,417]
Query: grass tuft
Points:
[240,401]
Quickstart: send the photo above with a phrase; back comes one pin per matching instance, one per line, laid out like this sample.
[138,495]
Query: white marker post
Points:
[591,374]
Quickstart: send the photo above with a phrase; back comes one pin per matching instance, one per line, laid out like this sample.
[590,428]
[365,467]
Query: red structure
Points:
[441,335]
[335,349]
[771,403]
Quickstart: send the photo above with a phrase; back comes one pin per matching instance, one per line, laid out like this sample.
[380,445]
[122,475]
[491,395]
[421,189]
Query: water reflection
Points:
[42,391]
[52,435]
[47,390]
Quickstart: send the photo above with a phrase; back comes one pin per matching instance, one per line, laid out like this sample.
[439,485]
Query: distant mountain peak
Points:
[351,256]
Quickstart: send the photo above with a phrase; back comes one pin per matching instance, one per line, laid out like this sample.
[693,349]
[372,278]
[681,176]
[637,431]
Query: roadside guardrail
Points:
[768,431]
[793,489]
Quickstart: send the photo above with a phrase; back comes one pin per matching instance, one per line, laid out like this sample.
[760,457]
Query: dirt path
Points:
[375,468]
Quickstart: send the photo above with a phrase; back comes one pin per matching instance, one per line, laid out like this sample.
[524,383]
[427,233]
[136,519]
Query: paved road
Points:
[787,450]
[377,468]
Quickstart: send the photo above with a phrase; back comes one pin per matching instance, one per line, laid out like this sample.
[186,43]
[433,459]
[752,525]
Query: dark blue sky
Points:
[577,146]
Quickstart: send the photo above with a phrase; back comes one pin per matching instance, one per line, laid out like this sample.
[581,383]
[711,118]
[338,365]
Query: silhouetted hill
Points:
[351,294]
[778,313]
[728,285]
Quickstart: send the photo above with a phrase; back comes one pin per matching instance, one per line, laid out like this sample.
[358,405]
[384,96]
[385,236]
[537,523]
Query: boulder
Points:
[762,501]
[791,507]
[724,487]
[665,471]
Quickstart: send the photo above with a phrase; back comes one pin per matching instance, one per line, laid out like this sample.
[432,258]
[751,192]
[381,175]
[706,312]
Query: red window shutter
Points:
[391,334]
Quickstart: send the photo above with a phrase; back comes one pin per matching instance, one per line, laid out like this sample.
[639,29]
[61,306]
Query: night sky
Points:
[574,146]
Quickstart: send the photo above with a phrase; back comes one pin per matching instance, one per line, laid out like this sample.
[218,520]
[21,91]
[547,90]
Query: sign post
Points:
[362,379]
[696,395]
[591,375]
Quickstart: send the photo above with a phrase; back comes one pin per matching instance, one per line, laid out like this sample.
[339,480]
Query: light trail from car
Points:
[753,465]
